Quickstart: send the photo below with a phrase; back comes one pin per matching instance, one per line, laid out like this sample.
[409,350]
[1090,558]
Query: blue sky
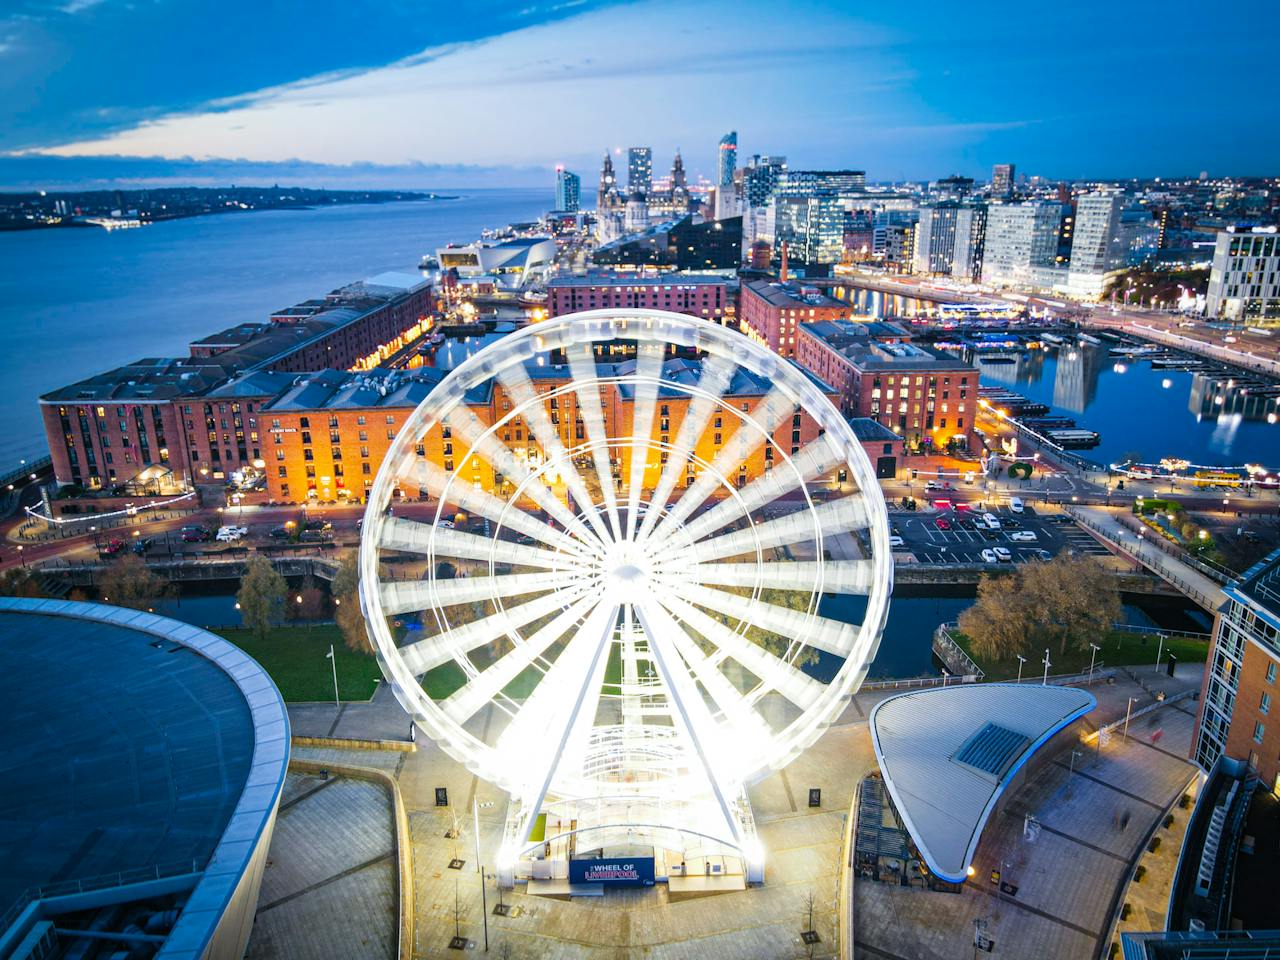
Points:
[431,94]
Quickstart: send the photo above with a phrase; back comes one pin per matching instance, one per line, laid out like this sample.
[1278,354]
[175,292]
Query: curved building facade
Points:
[144,760]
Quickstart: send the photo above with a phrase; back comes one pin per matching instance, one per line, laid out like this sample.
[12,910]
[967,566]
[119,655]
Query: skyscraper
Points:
[1021,243]
[949,239]
[640,170]
[761,177]
[727,160]
[1097,248]
[1002,179]
[568,190]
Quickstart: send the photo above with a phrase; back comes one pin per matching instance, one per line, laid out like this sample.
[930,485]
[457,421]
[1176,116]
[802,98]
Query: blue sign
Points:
[629,871]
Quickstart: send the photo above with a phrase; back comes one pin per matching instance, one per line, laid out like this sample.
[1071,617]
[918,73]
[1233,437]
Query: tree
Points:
[346,595]
[129,583]
[20,582]
[311,605]
[1070,601]
[261,595]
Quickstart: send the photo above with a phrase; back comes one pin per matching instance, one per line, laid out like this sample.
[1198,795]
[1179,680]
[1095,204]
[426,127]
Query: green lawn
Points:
[295,659]
[1117,649]
[443,680]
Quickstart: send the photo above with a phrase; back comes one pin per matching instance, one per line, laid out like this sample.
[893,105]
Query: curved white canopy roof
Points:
[947,754]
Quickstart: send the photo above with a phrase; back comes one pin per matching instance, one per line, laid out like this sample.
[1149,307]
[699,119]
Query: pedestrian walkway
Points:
[1105,523]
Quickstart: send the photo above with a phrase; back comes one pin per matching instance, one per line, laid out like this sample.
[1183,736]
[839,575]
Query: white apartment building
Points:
[1098,249]
[1021,243]
[1244,284]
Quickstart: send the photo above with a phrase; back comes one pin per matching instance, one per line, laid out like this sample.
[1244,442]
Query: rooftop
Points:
[948,753]
[132,742]
[1259,589]
[791,294]
[623,280]
[147,379]
[872,431]
[841,333]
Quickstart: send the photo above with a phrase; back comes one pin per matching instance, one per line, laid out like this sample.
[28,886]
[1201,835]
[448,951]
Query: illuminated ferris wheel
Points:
[644,583]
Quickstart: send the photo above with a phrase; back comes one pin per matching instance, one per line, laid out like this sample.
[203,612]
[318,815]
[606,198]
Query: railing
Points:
[36,466]
[121,878]
[1138,554]
[1161,631]
[952,654]
[1208,567]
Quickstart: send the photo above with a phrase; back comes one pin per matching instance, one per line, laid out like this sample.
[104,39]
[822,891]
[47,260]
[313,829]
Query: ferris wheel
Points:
[637,577]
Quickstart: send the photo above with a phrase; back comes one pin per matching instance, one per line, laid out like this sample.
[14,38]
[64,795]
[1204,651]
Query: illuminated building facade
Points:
[705,297]
[771,312]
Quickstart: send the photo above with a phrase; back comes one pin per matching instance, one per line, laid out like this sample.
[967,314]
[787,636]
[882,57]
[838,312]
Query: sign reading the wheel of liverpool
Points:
[616,529]
[633,871]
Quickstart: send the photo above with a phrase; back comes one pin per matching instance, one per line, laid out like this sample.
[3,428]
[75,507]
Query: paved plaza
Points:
[1069,878]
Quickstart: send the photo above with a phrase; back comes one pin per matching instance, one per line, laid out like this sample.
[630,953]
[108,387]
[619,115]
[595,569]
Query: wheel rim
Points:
[661,624]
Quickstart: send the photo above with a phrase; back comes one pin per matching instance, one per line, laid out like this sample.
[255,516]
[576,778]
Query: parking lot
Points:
[965,538]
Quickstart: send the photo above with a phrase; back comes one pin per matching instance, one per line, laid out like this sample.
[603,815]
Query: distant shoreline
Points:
[104,223]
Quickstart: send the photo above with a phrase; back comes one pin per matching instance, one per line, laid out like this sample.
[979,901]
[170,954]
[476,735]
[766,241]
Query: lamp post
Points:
[1127,711]
[1045,682]
[1092,657]
[1159,652]
[333,662]
[1021,661]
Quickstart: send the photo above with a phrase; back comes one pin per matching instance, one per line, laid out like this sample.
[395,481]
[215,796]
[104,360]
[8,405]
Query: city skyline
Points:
[904,96]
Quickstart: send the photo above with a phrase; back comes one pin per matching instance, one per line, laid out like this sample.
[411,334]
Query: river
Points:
[75,302]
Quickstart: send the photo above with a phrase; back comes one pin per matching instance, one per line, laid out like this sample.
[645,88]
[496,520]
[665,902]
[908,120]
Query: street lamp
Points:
[1092,657]
[1045,682]
[1127,711]
[1021,661]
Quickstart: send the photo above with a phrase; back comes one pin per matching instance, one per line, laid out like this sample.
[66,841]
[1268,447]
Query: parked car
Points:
[314,536]
[991,522]
[1003,554]
[446,524]
[279,533]
[1010,523]
[142,545]
[964,523]
[896,541]
[114,545]
[1043,555]
[933,485]
[942,523]
[194,534]
[1015,504]
[1023,536]
[989,556]
[230,534]
[322,525]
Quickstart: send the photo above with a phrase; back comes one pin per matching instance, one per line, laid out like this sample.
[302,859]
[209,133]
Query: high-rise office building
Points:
[1244,283]
[949,240]
[1002,179]
[799,182]
[640,170]
[1097,247]
[727,160]
[568,191]
[1021,243]
[762,176]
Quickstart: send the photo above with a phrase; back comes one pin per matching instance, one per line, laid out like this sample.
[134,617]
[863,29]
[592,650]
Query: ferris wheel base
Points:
[631,841]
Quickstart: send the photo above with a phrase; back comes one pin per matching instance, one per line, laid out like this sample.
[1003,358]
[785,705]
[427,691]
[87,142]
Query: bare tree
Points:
[128,583]
[261,595]
[346,595]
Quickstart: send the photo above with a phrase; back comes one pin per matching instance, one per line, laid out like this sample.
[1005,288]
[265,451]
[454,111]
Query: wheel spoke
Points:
[647,378]
[460,639]
[829,576]
[462,704]
[748,726]
[466,497]
[816,459]
[825,520]
[417,595]
[528,402]
[690,714]
[717,372]
[774,672]
[753,430]
[485,445]
[586,385]
[811,629]
[549,728]
[413,536]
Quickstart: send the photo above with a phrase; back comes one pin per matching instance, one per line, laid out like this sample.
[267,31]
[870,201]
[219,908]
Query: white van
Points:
[1015,504]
